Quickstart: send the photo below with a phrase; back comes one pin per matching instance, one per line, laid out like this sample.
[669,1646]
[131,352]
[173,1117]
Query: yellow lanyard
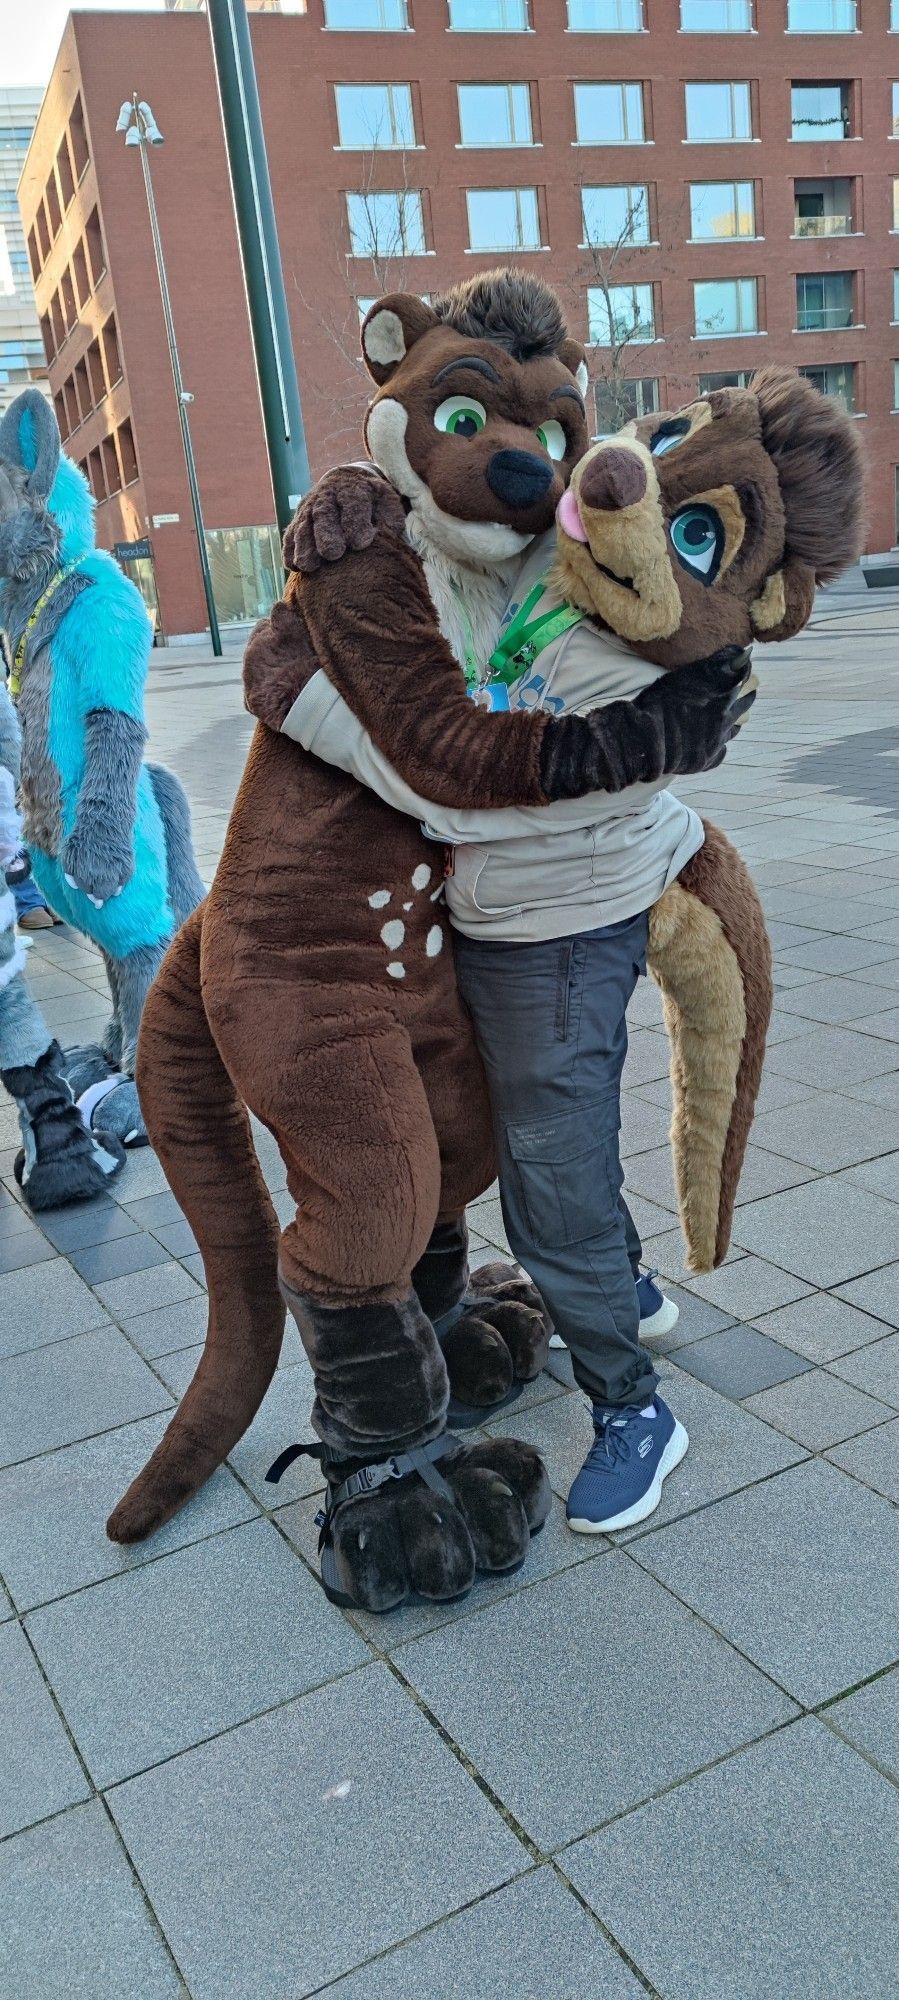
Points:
[15,679]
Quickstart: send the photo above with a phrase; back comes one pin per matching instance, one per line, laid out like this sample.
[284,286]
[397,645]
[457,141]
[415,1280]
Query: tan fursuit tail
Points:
[710,954]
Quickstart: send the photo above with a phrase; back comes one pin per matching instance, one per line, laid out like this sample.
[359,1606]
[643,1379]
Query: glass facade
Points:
[489,17]
[716,17]
[245,565]
[605,17]
[822,17]
[366,16]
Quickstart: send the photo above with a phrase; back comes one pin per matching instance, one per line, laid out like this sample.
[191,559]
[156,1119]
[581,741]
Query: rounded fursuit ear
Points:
[29,436]
[390,327]
[571,355]
[786,603]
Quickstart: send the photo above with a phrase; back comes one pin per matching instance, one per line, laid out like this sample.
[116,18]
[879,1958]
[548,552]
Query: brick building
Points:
[21,349]
[711,184]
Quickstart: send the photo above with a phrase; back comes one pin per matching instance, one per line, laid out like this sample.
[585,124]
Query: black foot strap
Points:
[421,1460]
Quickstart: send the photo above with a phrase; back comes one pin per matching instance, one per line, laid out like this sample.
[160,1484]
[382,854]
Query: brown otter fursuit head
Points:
[713,526]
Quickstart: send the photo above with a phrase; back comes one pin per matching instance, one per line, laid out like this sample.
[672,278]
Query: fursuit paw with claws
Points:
[500,1342]
[406,1538]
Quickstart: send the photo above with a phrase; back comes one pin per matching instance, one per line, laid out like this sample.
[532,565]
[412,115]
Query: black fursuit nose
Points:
[519,478]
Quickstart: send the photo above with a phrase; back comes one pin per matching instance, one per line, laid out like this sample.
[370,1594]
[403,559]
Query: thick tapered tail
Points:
[201,1133]
[710,954]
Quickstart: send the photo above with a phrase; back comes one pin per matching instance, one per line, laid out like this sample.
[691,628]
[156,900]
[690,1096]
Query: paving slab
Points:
[827,1132]
[169,1328]
[748,1286]
[832,1054]
[73,1389]
[39,1771]
[873,1458]
[98,1262]
[818,1410]
[145,1291]
[870,1719]
[877,1292]
[74,1920]
[673,1695]
[800,1572]
[23,1249]
[740,1360]
[87,1222]
[150,1662]
[821,1326]
[282,1420]
[875,1370]
[837,1001]
[824,1232]
[878,1177]
[285,1853]
[47,1303]
[533,1940]
[53,1513]
[772,1874]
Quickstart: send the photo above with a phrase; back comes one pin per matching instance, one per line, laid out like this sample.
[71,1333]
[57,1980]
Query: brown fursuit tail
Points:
[202,1135]
[710,954]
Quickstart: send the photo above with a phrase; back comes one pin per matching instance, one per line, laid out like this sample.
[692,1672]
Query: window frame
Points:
[372,144]
[623,85]
[737,332]
[401,196]
[624,242]
[494,249]
[720,83]
[493,145]
[635,339]
[738,236]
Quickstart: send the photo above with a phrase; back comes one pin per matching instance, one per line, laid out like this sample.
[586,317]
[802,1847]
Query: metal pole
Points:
[180,392]
[266,297]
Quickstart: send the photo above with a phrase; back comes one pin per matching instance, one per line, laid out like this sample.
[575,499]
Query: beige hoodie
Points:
[531,873]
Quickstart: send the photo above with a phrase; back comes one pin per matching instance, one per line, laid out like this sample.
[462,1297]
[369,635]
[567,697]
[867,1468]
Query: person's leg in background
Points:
[32,913]
[550,1023]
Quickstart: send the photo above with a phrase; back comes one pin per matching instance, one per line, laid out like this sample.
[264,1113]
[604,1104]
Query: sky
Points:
[31,31]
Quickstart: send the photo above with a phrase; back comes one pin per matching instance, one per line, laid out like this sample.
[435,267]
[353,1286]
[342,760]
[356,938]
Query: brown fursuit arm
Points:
[710,954]
[375,633]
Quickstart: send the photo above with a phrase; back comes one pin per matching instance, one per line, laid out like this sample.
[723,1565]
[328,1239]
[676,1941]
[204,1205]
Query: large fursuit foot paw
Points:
[500,1342]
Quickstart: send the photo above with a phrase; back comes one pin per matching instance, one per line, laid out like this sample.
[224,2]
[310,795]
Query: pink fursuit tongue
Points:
[568,517]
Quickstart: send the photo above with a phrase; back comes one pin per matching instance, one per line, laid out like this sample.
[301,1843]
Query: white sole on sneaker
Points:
[661,1322]
[674,1451]
[555,1340]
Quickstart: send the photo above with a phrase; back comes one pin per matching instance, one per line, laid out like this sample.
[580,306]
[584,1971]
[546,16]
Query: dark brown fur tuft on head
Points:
[519,312]
[816,450]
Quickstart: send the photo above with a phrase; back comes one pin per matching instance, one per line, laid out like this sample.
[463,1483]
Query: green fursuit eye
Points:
[460,416]
[553,439]
[697,537]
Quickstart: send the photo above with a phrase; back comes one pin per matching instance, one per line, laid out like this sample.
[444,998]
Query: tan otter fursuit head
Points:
[708,528]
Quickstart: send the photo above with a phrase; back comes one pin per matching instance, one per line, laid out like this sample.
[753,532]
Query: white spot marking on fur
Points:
[393,934]
[582,377]
[343,1790]
[436,894]
[421,876]
[396,970]
[434,941]
[407,906]
[378,900]
[384,339]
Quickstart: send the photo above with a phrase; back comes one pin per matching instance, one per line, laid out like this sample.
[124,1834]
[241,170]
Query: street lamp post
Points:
[137,122]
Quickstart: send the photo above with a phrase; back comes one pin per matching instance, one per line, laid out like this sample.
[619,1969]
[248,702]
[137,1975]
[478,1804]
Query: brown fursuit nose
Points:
[612,479]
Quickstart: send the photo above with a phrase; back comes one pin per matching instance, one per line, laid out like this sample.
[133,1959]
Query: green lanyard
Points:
[524,637]
[62,575]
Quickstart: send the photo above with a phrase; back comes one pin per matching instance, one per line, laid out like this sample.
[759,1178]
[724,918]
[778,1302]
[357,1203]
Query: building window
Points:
[111,353]
[96,254]
[609,114]
[489,17]
[59,405]
[837,379]
[894,123]
[725,378]
[896,296]
[619,314]
[246,572]
[366,16]
[34,255]
[95,373]
[822,208]
[605,17]
[620,402]
[43,233]
[716,17]
[824,299]
[720,210]
[822,17]
[127,453]
[374,116]
[54,212]
[718,111]
[388,224]
[64,171]
[615,216]
[503,219]
[82,275]
[495,114]
[821,111]
[111,473]
[69,301]
[78,139]
[726,306]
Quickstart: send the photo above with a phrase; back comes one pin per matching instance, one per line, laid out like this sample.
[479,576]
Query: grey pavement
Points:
[667,1764]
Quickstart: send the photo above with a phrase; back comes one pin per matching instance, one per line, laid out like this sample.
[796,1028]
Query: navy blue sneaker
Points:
[621,1479]
[658,1314]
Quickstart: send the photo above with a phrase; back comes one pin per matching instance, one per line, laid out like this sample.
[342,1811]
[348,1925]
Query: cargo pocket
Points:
[569,1173]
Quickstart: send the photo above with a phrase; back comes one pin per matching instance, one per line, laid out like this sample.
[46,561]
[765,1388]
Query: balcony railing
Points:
[817,319]
[823,225]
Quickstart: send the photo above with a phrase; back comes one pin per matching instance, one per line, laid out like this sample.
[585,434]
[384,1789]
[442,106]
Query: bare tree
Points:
[613,256]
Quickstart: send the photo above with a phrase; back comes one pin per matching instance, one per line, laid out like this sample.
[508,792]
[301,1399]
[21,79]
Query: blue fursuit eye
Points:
[697,537]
